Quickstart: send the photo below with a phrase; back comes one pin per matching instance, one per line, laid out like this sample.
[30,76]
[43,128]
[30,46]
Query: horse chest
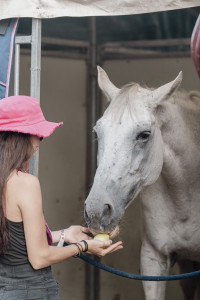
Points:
[170,230]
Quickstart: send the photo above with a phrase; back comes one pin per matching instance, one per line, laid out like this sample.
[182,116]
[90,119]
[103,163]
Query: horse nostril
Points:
[87,219]
[106,215]
[107,210]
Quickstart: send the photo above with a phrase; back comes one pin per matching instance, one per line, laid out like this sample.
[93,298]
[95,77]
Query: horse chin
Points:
[112,234]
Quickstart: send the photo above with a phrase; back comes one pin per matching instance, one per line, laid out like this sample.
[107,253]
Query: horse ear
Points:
[108,88]
[165,91]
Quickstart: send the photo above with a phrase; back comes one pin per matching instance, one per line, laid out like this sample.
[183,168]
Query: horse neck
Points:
[180,124]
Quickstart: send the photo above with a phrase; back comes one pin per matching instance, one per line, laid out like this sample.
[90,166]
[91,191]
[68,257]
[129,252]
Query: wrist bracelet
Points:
[79,250]
[62,238]
[86,245]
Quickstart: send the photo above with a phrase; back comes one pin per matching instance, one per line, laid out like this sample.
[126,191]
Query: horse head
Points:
[130,150]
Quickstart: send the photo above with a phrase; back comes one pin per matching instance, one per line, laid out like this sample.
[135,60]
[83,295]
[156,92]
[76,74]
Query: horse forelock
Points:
[125,100]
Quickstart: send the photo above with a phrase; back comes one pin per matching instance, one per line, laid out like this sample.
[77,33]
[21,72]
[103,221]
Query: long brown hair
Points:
[15,151]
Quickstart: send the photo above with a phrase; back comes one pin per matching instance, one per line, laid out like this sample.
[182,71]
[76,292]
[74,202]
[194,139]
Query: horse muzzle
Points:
[101,221]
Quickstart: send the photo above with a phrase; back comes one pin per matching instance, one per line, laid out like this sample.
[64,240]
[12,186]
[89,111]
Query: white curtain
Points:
[78,8]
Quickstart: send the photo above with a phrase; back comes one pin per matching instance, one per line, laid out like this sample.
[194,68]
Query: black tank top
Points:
[16,253]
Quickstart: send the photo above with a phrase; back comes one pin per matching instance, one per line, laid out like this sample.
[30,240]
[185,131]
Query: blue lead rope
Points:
[135,276]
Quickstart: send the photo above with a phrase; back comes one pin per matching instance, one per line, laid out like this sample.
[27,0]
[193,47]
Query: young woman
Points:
[26,250]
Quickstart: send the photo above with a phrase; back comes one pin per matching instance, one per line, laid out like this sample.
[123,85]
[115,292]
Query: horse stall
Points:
[69,93]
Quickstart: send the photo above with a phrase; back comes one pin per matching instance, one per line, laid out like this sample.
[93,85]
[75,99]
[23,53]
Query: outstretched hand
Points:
[76,233]
[100,248]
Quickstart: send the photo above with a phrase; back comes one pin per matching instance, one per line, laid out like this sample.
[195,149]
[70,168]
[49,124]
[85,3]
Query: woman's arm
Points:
[55,236]
[29,200]
[40,254]
[73,234]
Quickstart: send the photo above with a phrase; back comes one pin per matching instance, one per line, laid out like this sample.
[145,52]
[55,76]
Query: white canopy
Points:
[78,8]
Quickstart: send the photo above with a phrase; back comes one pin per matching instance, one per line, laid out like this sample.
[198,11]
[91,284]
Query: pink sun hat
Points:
[23,114]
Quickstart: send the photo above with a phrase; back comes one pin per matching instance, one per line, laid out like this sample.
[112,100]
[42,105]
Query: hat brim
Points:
[41,129]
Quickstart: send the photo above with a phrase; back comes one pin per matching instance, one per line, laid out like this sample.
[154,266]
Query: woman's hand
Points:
[100,248]
[76,233]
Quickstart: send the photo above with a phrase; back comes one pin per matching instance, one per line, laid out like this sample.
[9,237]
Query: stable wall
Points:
[62,165]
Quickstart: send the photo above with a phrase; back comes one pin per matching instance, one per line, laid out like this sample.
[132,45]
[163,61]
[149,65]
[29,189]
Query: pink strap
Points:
[49,236]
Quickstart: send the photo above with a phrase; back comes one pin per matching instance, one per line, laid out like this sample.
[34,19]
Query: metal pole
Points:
[92,274]
[36,58]
[35,77]
[17,69]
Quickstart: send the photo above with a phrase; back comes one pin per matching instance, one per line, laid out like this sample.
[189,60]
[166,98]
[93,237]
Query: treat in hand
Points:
[102,237]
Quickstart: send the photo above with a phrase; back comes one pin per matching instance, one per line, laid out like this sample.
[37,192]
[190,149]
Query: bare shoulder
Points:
[22,179]
[22,184]
[23,193]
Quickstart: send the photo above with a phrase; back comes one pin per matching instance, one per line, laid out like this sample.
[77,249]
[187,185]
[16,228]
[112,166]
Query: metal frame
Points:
[92,275]
[118,50]
[35,41]
[144,49]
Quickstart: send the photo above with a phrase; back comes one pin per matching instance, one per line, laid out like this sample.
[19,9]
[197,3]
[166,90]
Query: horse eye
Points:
[143,135]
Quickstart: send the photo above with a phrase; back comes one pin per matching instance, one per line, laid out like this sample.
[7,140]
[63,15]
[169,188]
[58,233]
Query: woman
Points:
[26,251]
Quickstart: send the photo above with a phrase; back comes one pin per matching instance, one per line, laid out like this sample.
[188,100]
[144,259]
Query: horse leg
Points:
[189,285]
[156,264]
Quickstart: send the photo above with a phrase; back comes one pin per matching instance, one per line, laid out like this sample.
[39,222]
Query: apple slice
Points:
[102,237]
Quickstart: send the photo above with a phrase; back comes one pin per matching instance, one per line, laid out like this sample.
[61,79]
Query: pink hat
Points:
[23,114]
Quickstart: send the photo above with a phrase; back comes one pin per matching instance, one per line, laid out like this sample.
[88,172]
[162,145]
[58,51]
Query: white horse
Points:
[149,145]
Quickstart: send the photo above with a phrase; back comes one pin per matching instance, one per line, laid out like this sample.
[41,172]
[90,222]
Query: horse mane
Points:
[194,95]
[188,100]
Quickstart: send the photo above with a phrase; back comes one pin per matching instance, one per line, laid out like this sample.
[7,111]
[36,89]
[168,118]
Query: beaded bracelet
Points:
[62,238]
